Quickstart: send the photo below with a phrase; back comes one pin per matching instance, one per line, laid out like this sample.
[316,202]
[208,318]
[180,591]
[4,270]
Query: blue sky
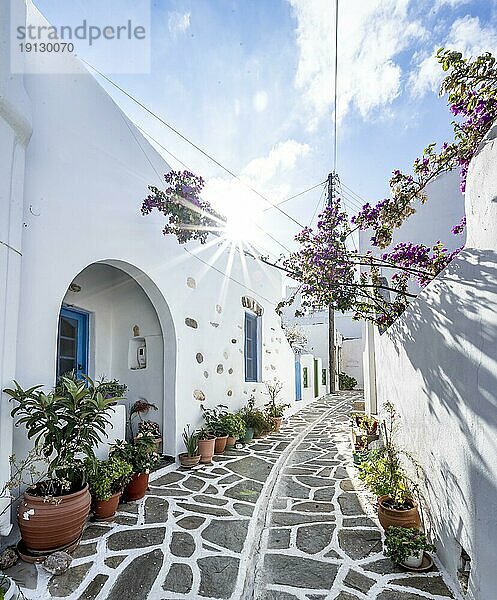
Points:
[251,82]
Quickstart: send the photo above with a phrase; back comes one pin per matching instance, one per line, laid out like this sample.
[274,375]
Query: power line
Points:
[335,150]
[355,194]
[320,201]
[183,137]
[295,195]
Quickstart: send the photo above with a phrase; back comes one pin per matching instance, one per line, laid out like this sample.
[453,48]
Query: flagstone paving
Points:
[282,519]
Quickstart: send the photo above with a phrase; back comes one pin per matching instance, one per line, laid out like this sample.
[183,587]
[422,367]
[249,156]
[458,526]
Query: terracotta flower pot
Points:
[106,509]
[189,461]
[206,449]
[50,525]
[277,423]
[399,518]
[137,487]
[231,441]
[220,444]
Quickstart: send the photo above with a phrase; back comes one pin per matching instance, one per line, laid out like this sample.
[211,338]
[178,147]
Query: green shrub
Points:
[106,477]
[190,438]
[232,424]
[346,382]
[140,453]
[402,542]
[213,419]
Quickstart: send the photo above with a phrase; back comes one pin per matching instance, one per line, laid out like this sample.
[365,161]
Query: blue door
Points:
[298,379]
[72,342]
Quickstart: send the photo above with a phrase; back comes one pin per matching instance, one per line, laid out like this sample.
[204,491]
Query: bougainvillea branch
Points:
[188,216]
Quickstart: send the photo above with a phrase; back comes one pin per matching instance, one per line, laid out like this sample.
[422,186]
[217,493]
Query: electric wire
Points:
[188,141]
[296,195]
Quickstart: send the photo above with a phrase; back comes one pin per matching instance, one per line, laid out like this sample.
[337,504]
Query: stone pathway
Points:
[282,519]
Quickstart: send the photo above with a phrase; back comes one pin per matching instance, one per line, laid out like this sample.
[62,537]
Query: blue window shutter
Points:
[251,347]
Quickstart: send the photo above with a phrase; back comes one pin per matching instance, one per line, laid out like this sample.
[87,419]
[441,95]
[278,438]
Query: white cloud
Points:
[282,157]
[371,36]
[466,35]
[178,22]
[260,101]
[451,3]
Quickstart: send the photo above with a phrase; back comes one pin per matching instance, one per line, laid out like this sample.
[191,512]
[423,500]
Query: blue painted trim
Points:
[82,336]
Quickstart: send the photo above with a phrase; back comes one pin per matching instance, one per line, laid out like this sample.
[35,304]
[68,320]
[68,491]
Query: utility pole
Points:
[331,312]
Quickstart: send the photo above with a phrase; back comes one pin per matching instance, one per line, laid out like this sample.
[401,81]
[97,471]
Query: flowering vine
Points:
[188,216]
[330,273]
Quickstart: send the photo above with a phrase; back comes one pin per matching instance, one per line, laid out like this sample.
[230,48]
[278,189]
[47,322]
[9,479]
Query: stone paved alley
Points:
[282,519]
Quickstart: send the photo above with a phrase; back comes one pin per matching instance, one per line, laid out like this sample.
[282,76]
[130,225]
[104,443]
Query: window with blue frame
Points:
[72,342]
[252,347]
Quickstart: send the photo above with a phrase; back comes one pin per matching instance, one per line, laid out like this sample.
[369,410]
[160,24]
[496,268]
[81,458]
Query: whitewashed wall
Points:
[87,171]
[438,365]
[352,359]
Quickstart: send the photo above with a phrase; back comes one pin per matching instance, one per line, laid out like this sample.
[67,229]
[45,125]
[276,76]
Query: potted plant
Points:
[214,423]
[274,410]
[384,475]
[191,457]
[364,430]
[138,409]
[150,428]
[250,415]
[64,425]
[206,441]
[234,426]
[405,546]
[112,389]
[107,479]
[140,453]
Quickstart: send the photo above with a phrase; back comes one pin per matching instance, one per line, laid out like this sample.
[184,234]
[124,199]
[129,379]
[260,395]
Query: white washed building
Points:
[87,281]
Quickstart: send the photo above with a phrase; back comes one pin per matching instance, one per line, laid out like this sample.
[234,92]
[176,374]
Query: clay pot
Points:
[206,449]
[220,444]
[47,526]
[389,517]
[231,441]
[106,509]
[277,423]
[189,461]
[137,487]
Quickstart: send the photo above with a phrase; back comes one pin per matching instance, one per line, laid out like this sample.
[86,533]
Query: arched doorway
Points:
[114,322]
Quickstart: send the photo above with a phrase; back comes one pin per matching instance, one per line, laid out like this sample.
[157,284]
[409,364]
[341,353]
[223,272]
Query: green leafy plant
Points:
[138,409]
[204,434]
[63,425]
[273,409]
[149,427]
[107,477]
[213,418]
[367,423]
[346,382]
[250,414]
[140,453]
[402,542]
[190,438]
[383,472]
[112,389]
[232,424]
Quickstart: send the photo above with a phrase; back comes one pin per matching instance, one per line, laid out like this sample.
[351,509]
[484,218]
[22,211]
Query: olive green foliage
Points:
[365,422]
[402,542]
[213,418]
[346,382]
[274,409]
[190,438]
[383,472]
[150,428]
[140,453]
[204,434]
[232,424]
[112,389]
[63,425]
[107,477]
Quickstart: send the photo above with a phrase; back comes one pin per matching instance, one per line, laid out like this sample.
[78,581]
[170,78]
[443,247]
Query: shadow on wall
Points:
[449,338]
